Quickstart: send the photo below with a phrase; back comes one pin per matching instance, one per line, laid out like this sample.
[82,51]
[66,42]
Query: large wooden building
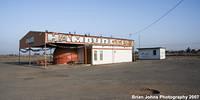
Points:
[80,48]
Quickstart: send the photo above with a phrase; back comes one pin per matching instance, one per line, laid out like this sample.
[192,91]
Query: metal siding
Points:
[39,39]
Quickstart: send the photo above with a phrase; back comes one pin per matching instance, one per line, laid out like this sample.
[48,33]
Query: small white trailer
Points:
[152,53]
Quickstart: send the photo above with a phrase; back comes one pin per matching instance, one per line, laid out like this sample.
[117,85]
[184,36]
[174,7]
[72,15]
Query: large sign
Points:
[81,39]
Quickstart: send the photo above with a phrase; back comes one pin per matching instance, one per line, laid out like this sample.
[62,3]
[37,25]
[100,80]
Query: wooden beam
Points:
[19,57]
[29,56]
[45,56]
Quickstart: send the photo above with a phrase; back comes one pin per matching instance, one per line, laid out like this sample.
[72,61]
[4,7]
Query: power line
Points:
[157,20]
[165,14]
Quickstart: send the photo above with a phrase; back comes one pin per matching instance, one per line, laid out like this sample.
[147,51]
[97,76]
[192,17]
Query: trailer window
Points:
[154,52]
[95,55]
[101,55]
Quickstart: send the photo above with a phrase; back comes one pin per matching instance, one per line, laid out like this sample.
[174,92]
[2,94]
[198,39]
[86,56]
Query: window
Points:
[101,55]
[105,41]
[154,52]
[95,55]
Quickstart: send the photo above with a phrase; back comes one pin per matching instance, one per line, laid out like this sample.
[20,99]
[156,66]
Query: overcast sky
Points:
[178,30]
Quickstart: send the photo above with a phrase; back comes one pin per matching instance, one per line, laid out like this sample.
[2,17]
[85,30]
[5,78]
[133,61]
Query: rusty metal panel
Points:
[33,39]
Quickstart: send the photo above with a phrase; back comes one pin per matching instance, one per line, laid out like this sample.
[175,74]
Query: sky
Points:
[178,30]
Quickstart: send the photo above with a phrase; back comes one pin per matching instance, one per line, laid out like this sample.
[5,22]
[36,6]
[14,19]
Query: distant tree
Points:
[193,51]
[188,50]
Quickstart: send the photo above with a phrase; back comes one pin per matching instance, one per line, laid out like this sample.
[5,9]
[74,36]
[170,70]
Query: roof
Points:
[80,35]
[151,48]
[39,39]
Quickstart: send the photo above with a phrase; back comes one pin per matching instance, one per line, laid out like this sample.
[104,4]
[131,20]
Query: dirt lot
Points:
[173,76]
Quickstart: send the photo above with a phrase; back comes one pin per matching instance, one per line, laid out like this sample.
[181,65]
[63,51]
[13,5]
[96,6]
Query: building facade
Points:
[111,54]
[75,48]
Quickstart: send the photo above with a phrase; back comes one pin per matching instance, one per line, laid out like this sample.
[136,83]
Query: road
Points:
[173,76]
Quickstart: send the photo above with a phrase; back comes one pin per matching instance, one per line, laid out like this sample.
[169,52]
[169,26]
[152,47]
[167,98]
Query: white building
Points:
[152,53]
[111,54]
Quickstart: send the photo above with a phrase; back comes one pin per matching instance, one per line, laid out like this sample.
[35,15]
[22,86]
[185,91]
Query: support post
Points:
[50,55]
[29,57]
[19,57]
[45,57]
[85,54]
[45,46]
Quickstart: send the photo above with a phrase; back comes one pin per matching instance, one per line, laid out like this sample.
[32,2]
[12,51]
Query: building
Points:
[80,48]
[152,53]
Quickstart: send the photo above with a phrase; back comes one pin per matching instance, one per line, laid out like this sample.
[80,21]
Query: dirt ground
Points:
[172,76]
